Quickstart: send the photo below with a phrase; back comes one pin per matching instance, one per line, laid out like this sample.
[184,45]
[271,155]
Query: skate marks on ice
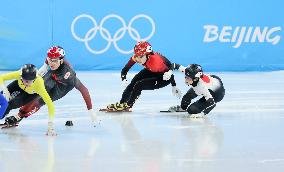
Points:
[113,111]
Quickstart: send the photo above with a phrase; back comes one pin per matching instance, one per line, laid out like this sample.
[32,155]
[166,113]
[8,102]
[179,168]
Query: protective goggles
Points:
[49,60]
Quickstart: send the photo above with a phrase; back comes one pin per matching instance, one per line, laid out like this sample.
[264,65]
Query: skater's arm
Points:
[126,68]
[40,90]
[84,92]
[167,63]
[166,69]
[173,81]
[86,95]
[175,91]
[175,66]
[5,77]
[9,76]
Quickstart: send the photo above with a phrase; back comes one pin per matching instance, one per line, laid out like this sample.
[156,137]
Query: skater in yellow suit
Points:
[26,82]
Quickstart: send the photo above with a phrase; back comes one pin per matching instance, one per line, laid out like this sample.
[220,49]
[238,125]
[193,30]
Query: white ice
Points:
[243,133]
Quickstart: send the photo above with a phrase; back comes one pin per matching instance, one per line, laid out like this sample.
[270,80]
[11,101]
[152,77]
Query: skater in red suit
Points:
[157,73]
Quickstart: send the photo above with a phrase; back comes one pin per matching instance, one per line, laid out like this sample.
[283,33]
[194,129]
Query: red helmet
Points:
[142,48]
[55,52]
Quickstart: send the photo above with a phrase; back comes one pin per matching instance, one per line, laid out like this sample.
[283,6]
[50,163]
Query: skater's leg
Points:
[202,105]
[31,108]
[146,84]
[127,92]
[197,106]
[186,99]
[84,92]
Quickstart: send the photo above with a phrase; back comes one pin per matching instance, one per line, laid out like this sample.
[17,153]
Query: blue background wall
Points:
[28,28]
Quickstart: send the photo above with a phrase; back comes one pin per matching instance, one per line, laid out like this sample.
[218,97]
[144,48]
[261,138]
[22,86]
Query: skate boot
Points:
[176,109]
[120,107]
[112,106]
[13,120]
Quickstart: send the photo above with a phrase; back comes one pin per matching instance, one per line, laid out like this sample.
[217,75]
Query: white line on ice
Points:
[271,160]
[195,160]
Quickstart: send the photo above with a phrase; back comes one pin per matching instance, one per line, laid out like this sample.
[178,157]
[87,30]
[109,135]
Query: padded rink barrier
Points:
[222,36]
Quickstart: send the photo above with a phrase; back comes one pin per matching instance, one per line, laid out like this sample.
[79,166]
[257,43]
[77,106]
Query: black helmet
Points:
[193,71]
[28,72]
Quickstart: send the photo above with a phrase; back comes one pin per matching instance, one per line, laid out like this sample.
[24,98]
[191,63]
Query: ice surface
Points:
[243,133]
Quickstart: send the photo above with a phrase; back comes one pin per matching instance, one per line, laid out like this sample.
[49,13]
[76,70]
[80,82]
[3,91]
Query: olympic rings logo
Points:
[105,34]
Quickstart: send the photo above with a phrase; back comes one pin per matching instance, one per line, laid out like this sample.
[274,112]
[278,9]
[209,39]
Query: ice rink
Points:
[243,133]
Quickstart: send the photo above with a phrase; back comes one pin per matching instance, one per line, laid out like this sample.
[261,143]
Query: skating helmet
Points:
[194,71]
[28,72]
[55,52]
[142,48]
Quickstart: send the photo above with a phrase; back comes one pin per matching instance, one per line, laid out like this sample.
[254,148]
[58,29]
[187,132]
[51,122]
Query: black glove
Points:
[123,77]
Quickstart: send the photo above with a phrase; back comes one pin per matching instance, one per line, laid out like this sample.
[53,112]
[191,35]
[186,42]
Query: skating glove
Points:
[50,130]
[182,68]
[167,75]
[176,92]
[6,92]
[123,77]
[93,117]
[124,82]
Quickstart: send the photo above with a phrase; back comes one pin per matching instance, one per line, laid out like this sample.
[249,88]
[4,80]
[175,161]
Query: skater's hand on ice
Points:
[176,92]
[167,75]
[6,92]
[50,130]
[94,119]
